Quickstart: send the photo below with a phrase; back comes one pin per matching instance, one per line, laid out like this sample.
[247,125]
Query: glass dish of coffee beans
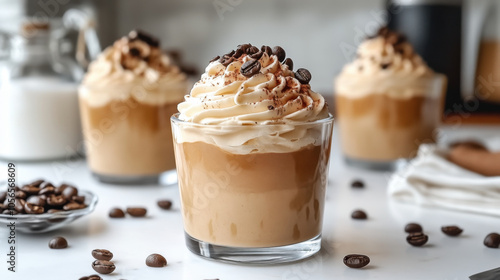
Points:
[41,206]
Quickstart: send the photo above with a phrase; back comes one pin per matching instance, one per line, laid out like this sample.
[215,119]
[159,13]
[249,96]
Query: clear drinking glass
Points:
[258,202]
[380,129]
[127,140]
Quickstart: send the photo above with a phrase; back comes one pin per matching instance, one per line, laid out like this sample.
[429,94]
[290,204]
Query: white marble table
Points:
[381,237]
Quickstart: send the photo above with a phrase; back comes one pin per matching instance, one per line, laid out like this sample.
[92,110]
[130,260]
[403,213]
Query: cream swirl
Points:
[225,96]
[133,67]
[250,102]
[386,63]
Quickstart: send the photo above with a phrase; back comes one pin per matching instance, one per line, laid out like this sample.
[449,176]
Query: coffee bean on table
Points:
[303,76]
[30,208]
[103,267]
[102,254]
[91,277]
[417,239]
[359,215]
[58,243]
[137,211]
[116,213]
[451,230]
[357,184]
[165,204]
[250,68]
[280,53]
[413,227]
[156,260]
[492,240]
[356,260]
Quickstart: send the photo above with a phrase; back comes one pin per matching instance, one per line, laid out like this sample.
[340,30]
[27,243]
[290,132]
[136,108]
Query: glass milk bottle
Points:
[39,118]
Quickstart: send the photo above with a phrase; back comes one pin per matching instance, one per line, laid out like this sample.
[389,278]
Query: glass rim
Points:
[175,119]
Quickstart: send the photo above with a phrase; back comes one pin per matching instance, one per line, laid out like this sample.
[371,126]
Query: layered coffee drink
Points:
[126,100]
[252,144]
[388,101]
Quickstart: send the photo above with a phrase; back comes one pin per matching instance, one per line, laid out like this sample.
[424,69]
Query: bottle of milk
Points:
[39,116]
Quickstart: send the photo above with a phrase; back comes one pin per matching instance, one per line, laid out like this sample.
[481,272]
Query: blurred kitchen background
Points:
[320,35]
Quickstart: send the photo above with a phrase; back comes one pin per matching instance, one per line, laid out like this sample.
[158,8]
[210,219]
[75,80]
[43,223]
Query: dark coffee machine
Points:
[434,28]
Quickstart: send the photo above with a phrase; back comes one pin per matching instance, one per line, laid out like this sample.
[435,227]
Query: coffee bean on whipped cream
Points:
[280,53]
[252,50]
[267,49]
[250,68]
[289,62]
[244,47]
[238,53]
[225,60]
[142,36]
[257,55]
[215,59]
[303,76]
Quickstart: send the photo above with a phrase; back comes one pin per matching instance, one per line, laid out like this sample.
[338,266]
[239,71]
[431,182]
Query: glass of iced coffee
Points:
[388,102]
[126,101]
[252,145]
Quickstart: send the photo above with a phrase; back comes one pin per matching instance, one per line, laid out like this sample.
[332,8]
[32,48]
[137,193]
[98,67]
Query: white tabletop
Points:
[381,237]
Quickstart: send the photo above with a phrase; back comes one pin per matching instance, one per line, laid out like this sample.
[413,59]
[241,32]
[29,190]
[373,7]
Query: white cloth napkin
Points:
[431,180]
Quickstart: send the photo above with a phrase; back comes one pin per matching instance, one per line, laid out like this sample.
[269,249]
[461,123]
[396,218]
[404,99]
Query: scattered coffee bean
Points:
[91,277]
[289,62]
[417,239]
[20,195]
[250,68]
[359,215]
[451,230]
[164,204]
[116,213]
[357,184]
[145,37]
[413,227]
[136,211]
[73,206]
[30,208]
[267,50]
[303,76]
[280,53]
[58,243]
[356,261]
[156,260]
[103,267]
[102,254]
[492,240]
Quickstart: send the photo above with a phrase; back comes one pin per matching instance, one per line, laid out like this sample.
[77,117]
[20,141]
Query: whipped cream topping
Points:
[133,66]
[256,100]
[385,64]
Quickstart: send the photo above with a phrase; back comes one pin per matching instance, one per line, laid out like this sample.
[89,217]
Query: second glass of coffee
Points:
[126,100]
